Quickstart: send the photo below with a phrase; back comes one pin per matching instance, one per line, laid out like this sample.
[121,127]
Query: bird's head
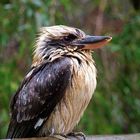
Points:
[56,41]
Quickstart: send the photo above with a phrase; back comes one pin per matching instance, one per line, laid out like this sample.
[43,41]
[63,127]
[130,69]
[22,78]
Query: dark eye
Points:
[70,37]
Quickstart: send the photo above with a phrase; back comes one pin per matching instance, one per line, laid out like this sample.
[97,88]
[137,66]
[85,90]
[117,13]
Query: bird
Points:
[59,85]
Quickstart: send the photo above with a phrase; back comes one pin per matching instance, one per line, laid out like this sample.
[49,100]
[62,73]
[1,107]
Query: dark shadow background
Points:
[115,107]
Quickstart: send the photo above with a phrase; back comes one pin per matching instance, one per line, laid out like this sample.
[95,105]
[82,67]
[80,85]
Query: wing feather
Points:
[39,93]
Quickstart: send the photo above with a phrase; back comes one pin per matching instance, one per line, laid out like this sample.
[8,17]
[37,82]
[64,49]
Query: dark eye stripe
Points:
[70,37]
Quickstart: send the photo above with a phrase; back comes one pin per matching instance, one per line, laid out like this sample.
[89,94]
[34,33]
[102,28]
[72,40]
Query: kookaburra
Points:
[59,85]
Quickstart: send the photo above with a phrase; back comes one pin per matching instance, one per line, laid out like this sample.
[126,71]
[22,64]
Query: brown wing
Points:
[37,97]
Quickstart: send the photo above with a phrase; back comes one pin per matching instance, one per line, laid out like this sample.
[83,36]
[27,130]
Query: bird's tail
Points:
[20,130]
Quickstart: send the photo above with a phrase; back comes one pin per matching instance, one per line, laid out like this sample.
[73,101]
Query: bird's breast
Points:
[78,94]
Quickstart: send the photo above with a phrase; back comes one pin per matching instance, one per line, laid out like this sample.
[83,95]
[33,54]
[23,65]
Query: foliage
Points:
[116,103]
[115,108]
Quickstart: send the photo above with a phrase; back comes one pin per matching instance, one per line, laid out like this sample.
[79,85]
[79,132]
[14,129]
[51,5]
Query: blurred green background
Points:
[115,107]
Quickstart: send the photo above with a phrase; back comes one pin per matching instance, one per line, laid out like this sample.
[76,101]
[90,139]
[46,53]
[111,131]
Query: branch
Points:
[97,137]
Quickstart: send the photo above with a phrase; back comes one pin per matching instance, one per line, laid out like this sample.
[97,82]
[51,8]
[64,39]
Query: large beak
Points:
[92,42]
